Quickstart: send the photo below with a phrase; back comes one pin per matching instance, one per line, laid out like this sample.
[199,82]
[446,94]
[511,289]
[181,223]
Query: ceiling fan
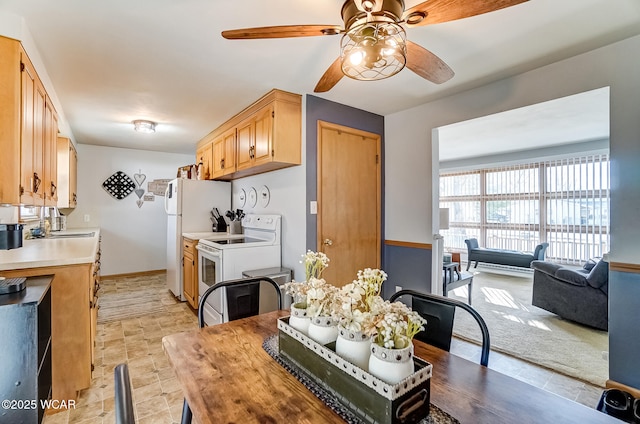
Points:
[374,44]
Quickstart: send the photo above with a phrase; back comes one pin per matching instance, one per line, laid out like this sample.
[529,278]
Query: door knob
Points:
[328,242]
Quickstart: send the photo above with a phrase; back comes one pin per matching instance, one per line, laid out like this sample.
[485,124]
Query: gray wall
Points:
[409,180]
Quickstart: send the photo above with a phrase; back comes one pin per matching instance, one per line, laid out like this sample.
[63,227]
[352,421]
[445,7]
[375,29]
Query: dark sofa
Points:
[579,295]
[501,256]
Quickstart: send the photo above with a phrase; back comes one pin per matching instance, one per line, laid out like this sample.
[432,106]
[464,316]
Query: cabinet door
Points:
[33,131]
[189,276]
[73,176]
[263,136]
[50,150]
[246,143]
[219,153]
[230,151]
[29,84]
[204,155]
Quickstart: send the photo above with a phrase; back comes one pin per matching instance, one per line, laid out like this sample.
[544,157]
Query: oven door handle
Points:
[214,253]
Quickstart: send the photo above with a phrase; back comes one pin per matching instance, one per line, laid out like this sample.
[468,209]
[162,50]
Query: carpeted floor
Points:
[530,333]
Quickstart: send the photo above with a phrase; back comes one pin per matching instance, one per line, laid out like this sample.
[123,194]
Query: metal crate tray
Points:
[370,399]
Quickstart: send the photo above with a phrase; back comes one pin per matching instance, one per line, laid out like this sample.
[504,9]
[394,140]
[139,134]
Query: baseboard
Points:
[610,384]
[501,269]
[136,274]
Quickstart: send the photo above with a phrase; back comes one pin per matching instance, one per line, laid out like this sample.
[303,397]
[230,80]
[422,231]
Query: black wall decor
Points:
[119,185]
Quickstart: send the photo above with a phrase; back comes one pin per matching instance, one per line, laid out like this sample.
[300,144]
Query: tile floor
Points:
[157,394]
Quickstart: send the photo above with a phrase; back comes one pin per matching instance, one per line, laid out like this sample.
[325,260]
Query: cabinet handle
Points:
[54,189]
[36,182]
[221,163]
[328,242]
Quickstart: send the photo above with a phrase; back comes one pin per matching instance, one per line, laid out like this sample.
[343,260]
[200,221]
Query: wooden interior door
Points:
[349,201]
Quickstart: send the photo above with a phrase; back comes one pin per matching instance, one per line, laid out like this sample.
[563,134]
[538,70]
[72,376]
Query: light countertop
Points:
[206,235]
[36,253]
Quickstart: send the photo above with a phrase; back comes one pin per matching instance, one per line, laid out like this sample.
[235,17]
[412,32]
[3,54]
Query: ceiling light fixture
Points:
[374,45]
[144,126]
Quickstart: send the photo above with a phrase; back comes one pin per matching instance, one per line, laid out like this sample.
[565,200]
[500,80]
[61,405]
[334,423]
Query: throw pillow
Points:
[588,266]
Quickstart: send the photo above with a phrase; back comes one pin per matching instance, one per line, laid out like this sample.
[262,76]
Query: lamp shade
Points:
[444,218]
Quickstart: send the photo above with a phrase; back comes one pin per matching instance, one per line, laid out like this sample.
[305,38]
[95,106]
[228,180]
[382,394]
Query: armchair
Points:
[579,295]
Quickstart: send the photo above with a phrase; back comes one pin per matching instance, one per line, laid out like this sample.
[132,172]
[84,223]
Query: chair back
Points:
[242,296]
[438,331]
[123,398]
[439,312]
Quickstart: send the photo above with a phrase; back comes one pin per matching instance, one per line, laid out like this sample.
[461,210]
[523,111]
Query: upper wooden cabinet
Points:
[50,148]
[204,155]
[263,137]
[28,132]
[67,174]
[224,155]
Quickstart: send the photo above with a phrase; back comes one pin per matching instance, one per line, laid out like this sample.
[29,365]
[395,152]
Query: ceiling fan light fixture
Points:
[144,126]
[373,50]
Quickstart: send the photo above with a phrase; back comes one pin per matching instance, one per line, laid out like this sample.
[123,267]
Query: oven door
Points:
[210,273]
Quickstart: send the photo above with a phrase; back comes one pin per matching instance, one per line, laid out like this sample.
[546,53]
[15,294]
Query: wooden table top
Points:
[227,377]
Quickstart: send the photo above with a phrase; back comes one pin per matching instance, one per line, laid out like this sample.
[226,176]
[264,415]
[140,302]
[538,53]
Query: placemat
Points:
[270,345]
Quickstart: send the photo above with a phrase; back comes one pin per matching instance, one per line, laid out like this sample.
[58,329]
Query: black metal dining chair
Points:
[439,312]
[123,397]
[243,301]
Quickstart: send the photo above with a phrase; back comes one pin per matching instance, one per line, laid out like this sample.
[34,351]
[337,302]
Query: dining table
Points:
[227,376]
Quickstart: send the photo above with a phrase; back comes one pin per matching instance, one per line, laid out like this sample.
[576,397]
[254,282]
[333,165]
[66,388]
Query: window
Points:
[563,202]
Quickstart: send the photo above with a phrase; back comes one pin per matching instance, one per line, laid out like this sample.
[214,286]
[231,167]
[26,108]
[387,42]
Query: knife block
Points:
[220,226]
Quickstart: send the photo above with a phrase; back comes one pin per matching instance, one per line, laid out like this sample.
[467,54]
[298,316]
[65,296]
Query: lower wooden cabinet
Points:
[190,271]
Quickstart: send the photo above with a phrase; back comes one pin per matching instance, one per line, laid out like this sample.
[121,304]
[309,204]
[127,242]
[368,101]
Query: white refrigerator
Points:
[188,204]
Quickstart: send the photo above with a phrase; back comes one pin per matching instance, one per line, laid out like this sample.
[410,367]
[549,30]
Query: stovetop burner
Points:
[12,285]
[238,241]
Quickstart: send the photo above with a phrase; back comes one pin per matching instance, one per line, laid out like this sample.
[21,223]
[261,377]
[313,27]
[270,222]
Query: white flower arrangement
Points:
[320,297]
[396,325]
[353,306]
[357,306]
[314,264]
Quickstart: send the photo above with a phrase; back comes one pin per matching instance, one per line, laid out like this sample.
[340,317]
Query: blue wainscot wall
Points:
[407,265]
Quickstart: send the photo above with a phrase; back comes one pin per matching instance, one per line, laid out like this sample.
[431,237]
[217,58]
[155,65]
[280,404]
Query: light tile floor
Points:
[157,394]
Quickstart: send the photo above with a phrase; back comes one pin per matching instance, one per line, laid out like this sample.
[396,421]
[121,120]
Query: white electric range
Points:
[226,256]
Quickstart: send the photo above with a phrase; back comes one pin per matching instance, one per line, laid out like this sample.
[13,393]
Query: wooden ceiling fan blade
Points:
[427,65]
[330,78]
[438,11]
[284,31]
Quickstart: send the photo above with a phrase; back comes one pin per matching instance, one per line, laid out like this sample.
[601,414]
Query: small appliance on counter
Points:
[10,236]
[12,285]
[57,221]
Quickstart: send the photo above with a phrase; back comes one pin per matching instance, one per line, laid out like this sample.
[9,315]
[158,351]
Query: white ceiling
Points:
[572,119]
[117,60]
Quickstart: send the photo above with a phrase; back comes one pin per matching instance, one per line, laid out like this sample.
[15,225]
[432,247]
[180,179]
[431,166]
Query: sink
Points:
[72,235]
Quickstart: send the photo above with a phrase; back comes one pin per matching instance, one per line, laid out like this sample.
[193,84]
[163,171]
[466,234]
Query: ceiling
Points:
[573,119]
[118,60]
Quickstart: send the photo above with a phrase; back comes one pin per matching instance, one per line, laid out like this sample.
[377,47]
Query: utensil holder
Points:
[235,227]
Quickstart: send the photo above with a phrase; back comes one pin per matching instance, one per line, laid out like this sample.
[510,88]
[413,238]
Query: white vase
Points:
[354,346]
[391,365]
[323,329]
[299,319]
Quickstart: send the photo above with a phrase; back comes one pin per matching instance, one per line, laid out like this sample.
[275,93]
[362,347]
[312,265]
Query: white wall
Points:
[133,239]
[409,138]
